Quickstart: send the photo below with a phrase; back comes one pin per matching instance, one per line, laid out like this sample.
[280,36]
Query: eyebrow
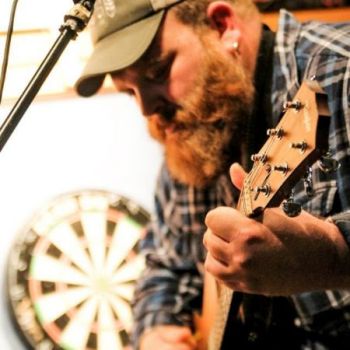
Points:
[151,57]
[161,59]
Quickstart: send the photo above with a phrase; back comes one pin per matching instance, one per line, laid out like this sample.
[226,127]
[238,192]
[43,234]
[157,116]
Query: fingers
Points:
[232,241]
[216,267]
[218,248]
[225,274]
[168,337]
[223,225]
[221,222]
[237,175]
[178,334]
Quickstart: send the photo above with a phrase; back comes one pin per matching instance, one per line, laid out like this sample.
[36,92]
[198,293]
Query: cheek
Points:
[155,131]
[182,77]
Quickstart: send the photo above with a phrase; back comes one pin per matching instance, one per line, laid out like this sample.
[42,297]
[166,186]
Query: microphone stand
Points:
[75,21]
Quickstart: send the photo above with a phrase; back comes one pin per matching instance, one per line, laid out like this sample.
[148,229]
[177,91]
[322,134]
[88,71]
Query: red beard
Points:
[205,135]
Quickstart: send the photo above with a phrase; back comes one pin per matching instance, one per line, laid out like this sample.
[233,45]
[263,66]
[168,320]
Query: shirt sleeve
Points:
[339,103]
[170,287]
[331,67]
[342,220]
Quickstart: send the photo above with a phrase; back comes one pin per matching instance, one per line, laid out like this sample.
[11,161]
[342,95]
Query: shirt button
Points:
[252,337]
[297,322]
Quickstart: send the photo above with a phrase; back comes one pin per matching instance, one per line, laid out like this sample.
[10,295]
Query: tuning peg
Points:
[259,158]
[275,132]
[302,145]
[308,183]
[282,168]
[265,189]
[290,207]
[327,164]
[297,105]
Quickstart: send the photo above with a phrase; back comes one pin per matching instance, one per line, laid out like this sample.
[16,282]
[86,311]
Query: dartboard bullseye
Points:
[72,271]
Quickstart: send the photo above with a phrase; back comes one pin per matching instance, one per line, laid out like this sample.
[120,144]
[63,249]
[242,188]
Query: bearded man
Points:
[210,78]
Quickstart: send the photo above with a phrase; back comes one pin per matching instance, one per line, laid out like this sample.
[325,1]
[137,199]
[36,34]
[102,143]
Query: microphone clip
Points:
[79,15]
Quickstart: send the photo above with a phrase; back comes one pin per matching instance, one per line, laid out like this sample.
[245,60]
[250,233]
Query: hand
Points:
[168,338]
[276,254]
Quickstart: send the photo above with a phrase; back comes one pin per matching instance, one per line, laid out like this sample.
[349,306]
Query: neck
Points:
[250,46]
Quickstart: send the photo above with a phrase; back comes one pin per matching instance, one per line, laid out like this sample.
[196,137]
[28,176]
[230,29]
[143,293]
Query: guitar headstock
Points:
[298,140]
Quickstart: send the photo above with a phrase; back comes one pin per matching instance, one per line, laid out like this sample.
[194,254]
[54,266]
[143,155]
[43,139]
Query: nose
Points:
[151,99]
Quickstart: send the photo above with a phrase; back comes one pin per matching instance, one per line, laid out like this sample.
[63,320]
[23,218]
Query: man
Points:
[273,5]
[210,78]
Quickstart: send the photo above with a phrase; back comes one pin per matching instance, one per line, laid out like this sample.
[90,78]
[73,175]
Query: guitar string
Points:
[226,294]
[253,174]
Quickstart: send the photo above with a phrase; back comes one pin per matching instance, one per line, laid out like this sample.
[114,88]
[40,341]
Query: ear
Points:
[223,19]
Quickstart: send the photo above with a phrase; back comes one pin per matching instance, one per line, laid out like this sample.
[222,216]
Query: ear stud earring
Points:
[235,45]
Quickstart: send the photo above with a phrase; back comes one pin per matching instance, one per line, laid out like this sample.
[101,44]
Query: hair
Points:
[193,12]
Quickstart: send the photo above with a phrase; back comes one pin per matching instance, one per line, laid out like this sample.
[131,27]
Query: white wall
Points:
[64,146]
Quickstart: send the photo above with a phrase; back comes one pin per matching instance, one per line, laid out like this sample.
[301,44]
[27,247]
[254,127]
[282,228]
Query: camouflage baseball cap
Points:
[121,32]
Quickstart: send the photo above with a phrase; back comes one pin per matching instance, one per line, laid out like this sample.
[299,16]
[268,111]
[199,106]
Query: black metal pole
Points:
[75,21]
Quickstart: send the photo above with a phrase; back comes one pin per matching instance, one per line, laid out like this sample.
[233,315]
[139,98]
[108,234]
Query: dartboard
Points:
[72,272]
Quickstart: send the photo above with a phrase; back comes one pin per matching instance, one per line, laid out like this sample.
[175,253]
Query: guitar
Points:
[299,139]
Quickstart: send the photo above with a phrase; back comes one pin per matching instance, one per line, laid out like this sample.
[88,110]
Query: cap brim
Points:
[117,51]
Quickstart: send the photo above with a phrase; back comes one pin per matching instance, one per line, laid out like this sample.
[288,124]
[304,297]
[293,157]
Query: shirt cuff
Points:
[342,221]
[152,320]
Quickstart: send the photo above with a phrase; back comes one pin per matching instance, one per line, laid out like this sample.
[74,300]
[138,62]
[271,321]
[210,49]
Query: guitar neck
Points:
[295,144]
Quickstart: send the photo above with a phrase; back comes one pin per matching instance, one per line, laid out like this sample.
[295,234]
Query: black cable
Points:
[7,48]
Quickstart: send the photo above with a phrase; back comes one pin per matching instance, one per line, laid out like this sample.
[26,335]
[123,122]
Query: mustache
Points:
[167,112]
[183,119]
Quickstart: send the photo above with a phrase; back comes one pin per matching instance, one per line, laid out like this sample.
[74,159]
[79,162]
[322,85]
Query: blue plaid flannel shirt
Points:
[170,289]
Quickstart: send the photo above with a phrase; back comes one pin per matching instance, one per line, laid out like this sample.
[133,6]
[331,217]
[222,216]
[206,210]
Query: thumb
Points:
[177,333]
[237,175]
